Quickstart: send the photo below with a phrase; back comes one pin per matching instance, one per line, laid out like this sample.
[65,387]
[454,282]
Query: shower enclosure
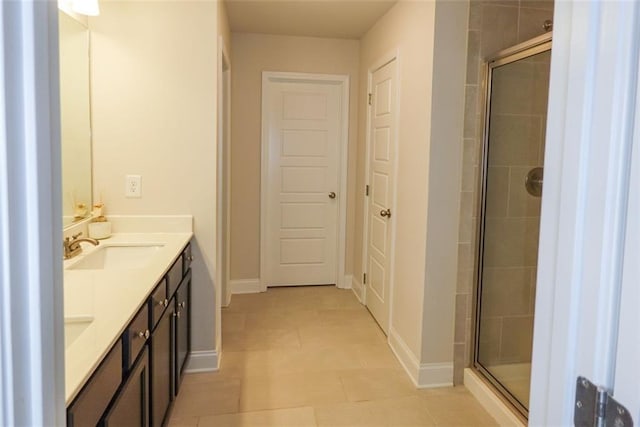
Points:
[517,87]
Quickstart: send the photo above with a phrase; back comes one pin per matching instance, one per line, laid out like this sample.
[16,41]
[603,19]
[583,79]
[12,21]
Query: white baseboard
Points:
[203,361]
[423,375]
[346,281]
[489,400]
[357,289]
[435,375]
[245,286]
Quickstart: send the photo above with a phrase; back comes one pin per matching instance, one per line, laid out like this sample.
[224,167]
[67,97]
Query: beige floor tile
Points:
[294,417]
[183,422]
[233,321]
[457,409]
[371,384]
[359,317]
[289,391]
[207,398]
[263,339]
[204,377]
[281,319]
[351,414]
[377,356]
[405,411]
[294,356]
[339,336]
[265,362]
[337,358]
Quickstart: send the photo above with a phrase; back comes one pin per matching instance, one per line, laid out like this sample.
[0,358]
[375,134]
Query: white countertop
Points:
[111,298]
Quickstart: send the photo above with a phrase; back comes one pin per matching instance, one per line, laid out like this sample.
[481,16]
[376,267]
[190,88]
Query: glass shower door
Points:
[515,126]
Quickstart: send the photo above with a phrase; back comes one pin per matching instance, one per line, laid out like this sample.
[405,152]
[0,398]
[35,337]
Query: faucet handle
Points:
[75,236]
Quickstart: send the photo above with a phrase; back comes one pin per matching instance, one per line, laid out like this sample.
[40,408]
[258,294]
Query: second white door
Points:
[301,125]
[382,119]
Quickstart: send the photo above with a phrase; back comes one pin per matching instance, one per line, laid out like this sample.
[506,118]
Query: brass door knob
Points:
[385,212]
[332,195]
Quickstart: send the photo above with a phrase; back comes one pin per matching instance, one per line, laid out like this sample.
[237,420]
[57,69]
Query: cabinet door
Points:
[161,368]
[131,405]
[183,310]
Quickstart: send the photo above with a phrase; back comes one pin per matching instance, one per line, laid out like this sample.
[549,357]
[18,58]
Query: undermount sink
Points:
[74,326]
[121,257]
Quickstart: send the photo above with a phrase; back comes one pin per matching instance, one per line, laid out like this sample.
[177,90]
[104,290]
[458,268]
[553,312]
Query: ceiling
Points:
[347,19]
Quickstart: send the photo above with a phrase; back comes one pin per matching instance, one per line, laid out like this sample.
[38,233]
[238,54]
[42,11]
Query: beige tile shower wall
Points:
[252,54]
[493,26]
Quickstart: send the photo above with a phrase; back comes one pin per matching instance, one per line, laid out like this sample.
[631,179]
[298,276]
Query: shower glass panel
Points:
[518,87]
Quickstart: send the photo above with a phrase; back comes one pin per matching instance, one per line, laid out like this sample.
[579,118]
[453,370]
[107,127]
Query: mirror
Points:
[75,113]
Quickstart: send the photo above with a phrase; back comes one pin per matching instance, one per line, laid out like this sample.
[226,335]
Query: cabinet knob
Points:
[183,304]
[190,257]
[165,302]
[178,314]
[145,334]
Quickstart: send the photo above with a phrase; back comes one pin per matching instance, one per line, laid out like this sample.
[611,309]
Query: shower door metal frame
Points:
[523,50]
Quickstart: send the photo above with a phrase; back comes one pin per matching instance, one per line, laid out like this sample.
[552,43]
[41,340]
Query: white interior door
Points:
[586,319]
[302,126]
[382,113]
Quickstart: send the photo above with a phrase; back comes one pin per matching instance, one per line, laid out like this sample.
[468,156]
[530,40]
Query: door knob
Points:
[385,212]
[332,195]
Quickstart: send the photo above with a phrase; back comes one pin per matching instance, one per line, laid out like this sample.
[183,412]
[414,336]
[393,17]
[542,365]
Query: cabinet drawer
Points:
[174,277]
[187,258]
[88,407]
[136,336]
[157,303]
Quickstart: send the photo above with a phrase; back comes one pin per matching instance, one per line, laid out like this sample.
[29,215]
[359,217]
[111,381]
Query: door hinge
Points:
[596,407]
[364,278]
[370,99]
[366,190]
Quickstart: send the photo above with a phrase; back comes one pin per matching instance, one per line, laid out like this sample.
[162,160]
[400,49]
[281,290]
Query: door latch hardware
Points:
[596,407]
[370,99]
[366,190]
[364,278]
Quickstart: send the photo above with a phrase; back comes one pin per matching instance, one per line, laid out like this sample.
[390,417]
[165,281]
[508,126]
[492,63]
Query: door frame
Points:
[223,181]
[392,55]
[287,77]
[584,203]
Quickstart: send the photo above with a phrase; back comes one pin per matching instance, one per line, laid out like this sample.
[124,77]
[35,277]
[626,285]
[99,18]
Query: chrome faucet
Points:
[72,245]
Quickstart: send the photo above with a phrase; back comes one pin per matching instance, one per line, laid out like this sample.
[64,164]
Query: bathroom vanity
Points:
[127,327]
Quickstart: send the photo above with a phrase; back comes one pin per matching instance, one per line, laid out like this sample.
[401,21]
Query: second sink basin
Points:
[117,257]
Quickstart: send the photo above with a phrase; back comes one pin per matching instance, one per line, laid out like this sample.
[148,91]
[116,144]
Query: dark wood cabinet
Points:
[182,328]
[88,407]
[161,367]
[137,381]
[130,407]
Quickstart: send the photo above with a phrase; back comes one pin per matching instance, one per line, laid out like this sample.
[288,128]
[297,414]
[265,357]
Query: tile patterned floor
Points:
[312,356]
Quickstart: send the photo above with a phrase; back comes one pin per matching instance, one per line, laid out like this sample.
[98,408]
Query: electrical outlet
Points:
[132,186]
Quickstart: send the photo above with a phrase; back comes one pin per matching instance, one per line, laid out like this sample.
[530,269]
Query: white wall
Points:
[445,175]
[252,54]
[154,100]
[431,85]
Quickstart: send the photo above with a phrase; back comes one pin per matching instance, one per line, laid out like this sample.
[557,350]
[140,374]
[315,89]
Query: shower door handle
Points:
[533,182]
